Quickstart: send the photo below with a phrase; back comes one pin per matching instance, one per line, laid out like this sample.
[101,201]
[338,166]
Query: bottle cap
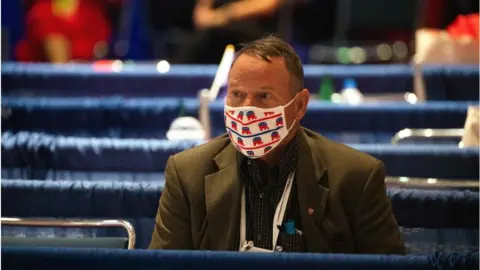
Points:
[349,83]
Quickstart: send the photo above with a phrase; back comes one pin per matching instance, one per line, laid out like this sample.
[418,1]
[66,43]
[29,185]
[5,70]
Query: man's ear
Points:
[303,97]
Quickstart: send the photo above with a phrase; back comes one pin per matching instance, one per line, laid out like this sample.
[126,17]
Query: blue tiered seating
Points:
[430,220]
[72,259]
[81,143]
[41,155]
[151,118]
[443,83]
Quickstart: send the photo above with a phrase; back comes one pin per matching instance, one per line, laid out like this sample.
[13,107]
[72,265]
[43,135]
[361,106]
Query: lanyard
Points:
[277,219]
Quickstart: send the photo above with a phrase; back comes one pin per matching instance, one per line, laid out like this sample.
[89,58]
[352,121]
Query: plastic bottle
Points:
[326,89]
[350,93]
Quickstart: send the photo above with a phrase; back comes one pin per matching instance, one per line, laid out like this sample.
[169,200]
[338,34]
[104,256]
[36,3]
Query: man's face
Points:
[253,81]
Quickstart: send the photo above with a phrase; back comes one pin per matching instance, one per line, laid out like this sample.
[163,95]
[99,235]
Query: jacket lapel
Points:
[312,188]
[223,193]
[222,198]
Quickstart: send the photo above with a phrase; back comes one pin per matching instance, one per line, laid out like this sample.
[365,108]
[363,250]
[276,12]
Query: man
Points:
[271,184]
[222,22]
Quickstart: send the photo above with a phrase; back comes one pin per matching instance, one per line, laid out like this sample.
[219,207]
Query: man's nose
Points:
[249,101]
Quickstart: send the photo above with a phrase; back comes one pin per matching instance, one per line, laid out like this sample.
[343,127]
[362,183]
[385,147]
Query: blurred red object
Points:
[457,44]
[85,27]
[464,26]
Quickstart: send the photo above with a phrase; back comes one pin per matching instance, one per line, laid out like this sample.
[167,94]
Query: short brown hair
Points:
[271,46]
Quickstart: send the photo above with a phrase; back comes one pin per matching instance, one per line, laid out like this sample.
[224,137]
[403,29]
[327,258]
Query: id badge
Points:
[250,247]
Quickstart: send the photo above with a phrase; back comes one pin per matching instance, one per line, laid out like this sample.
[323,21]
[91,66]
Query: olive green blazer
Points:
[200,206]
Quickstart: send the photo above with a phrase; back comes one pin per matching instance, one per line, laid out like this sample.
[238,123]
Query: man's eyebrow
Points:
[266,87]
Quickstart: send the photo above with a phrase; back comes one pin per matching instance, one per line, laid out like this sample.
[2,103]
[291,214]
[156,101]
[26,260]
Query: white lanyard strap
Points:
[277,219]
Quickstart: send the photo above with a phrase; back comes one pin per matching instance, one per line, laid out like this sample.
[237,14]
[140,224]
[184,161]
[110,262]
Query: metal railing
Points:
[427,133]
[206,96]
[204,112]
[431,183]
[38,222]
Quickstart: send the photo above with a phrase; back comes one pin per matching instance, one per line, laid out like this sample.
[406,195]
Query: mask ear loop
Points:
[291,126]
[284,115]
[290,102]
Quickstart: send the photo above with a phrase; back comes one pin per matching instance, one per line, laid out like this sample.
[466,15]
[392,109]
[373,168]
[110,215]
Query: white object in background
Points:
[190,128]
[350,93]
[411,98]
[186,128]
[437,47]
[471,136]
[222,72]
[163,66]
[204,112]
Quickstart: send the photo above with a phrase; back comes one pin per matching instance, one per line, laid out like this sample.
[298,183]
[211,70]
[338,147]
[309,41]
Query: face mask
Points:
[256,131]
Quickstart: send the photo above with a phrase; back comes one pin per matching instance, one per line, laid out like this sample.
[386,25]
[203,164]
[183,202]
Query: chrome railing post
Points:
[427,133]
[74,223]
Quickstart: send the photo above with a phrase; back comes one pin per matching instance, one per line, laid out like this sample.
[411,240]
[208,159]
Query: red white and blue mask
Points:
[256,131]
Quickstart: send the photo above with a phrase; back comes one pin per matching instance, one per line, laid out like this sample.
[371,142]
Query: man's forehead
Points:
[250,65]
[251,59]
[265,84]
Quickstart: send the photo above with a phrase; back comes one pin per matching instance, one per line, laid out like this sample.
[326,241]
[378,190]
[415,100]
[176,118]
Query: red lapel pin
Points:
[310,211]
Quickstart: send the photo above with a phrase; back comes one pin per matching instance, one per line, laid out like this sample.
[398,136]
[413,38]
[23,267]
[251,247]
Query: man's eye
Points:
[236,94]
[263,95]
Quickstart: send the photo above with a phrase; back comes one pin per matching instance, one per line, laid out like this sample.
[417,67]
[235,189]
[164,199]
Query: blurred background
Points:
[326,31]
[97,94]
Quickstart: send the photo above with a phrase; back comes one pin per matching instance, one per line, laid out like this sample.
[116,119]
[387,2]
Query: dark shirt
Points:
[263,190]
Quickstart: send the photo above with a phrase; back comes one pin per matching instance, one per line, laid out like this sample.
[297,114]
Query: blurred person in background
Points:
[222,22]
[60,31]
